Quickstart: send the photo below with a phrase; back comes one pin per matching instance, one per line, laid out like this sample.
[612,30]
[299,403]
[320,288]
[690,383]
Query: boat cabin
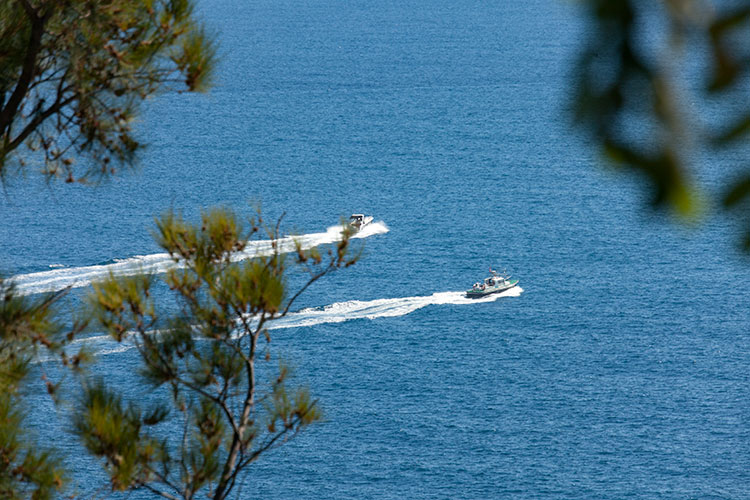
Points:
[494,283]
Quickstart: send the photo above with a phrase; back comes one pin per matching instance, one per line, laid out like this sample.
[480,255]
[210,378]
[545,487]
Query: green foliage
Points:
[616,84]
[112,430]
[73,72]
[26,470]
[232,404]
[632,101]
[29,324]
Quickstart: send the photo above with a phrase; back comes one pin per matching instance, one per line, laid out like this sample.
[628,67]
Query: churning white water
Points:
[75,277]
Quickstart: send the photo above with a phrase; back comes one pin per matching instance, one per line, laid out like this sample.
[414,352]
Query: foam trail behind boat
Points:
[339,312]
[380,308]
[75,277]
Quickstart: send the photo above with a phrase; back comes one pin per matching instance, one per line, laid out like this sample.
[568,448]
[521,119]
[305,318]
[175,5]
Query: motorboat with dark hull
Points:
[495,283]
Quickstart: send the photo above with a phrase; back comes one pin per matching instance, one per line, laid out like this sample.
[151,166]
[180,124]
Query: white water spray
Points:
[340,312]
[380,308]
[76,277]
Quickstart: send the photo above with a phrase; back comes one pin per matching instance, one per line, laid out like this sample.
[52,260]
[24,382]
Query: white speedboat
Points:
[359,221]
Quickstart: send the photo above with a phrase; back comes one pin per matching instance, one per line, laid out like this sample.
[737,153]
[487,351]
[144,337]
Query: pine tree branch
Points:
[312,280]
[162,494]
[29,66]
[231,467]
[38,119]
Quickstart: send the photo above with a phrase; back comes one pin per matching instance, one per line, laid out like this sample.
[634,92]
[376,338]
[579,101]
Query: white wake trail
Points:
[380,308]
[76,277]
[340,312]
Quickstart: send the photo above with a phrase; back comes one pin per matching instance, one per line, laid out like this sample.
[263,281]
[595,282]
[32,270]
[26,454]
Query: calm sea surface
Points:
[621,370]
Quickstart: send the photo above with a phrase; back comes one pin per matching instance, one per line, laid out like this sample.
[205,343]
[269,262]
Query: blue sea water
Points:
[621,370]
